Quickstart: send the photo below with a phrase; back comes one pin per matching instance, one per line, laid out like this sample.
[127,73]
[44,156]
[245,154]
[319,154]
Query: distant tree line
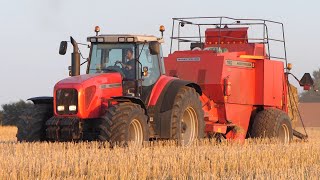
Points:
[1,118]
[11,112]
[312,95]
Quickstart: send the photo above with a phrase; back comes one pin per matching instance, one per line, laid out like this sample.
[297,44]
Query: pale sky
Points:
[31,31]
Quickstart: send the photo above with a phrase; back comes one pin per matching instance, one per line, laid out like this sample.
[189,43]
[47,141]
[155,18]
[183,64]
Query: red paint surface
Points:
[231,93]
[80,83]
[226,35]
[158,88]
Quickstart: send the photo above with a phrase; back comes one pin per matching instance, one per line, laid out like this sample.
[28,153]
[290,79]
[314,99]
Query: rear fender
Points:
[159,88]
[133,100]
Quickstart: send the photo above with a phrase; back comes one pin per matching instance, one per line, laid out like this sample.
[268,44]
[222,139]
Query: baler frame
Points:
[220,39]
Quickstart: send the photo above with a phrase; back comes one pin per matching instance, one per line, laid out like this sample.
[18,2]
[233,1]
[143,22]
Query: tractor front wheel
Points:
[272,123]
[187,117]
[123,123]
[31,125]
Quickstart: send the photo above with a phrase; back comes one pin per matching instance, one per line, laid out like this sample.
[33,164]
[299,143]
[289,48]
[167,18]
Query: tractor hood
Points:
[83,95]
[89,80]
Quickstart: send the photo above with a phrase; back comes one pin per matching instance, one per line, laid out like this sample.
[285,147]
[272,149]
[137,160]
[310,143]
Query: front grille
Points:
[66,98]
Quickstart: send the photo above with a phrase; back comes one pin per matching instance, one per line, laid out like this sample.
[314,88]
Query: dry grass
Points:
[8,134]
[204,160]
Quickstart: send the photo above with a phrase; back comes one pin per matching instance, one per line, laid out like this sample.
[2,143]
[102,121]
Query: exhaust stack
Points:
[75,58]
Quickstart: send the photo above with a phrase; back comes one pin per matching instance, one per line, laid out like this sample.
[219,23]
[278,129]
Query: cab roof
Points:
[123,38]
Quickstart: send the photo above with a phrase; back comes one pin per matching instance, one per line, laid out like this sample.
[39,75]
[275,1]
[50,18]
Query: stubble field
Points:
[256,159]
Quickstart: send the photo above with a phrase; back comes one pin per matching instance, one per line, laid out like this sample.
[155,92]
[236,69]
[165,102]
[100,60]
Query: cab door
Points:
[152,63]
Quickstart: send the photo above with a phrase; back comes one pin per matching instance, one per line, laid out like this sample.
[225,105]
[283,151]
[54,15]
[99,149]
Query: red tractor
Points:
[224,87]
[124,96]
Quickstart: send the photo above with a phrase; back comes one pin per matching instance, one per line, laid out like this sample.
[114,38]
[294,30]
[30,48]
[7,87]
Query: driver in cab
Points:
[128,66]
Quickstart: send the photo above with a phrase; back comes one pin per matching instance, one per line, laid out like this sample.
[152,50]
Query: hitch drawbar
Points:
[299,135]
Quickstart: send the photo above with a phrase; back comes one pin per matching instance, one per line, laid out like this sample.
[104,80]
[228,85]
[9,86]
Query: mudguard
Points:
[133,100]
[41,100]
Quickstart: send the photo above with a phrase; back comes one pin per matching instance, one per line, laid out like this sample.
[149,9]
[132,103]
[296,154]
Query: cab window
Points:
[150,61]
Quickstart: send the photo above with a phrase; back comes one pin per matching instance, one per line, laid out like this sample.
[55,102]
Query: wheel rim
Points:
[284,134]
[189,126]
[135,132]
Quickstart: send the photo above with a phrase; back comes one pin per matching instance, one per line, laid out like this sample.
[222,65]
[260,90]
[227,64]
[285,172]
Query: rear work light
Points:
[93,40]
[130,39]
[101,39]
[121,39]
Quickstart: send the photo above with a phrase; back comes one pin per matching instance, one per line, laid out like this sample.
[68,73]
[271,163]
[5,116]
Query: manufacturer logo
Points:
[189,59]
[239,64]
[105,86]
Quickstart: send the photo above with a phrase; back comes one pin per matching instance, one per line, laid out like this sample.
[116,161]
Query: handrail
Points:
[230,18]
[221,21]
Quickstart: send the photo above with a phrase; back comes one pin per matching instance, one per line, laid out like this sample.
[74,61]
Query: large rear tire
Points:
[187,117]
[31,125]
[272,123]
[123,123]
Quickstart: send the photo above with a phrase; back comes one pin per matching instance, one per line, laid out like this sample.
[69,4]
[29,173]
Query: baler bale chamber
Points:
[243,72]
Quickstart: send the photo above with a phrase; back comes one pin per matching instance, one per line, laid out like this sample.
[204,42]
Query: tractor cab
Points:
[137,58]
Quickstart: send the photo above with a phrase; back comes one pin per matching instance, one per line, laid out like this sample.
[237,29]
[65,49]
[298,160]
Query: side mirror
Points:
[145,71]
[154,47]
[63,47]
[306,81]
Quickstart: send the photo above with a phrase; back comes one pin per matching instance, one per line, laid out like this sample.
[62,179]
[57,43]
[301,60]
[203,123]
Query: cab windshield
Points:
[113,58]
[121,58]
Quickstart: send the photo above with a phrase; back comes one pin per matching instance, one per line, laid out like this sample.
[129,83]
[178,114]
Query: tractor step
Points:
[299,135]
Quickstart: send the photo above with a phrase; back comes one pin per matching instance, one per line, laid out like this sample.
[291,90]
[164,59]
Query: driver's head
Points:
[129,54]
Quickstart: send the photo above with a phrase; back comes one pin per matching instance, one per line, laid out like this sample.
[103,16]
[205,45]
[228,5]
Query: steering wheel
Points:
[118,62]
[122,64]
[114,68]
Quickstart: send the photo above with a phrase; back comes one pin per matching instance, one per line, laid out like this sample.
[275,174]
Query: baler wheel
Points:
[124,123]
[31,125]
[272,123]
[187,117]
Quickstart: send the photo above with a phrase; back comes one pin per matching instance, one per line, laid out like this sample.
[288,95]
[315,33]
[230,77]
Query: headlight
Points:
[60,108]
[72,108]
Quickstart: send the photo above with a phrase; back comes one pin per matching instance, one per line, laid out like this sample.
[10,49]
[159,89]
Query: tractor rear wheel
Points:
[272,123]
[187,117]
[123,123]
[31,125]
